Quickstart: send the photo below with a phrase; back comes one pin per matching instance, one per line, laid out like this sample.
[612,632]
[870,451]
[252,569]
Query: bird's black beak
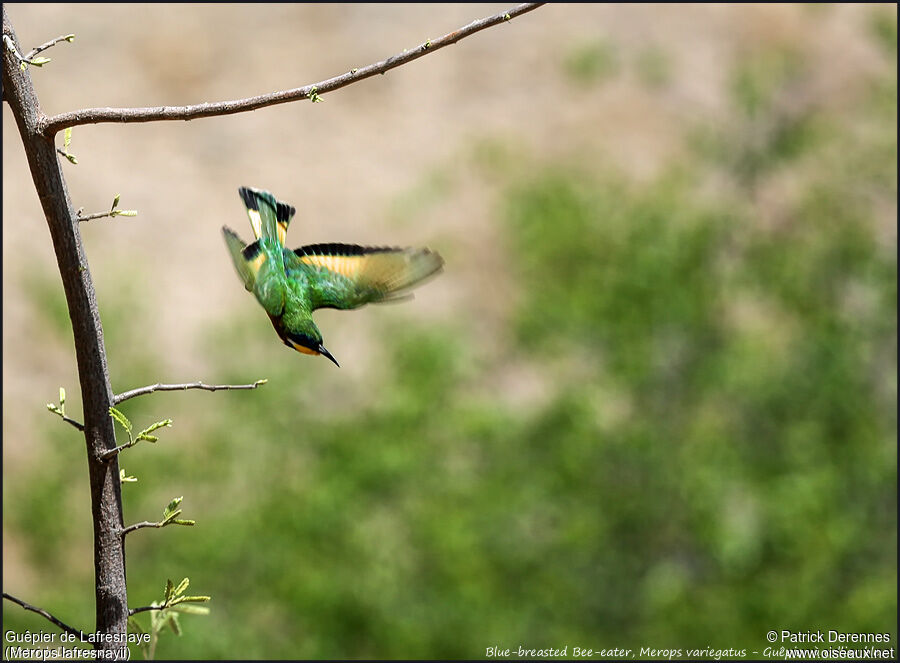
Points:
[324,352]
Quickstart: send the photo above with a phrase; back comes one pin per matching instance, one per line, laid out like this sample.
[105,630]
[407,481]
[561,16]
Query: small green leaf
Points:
[69,38]
[39,62]
[145,434]
[156,620]
[149,438]
[67,137]
[62,396]
[172,510]
[71,158]
[180,521]
[135,625]
[172,621]
[194,599]
[115,202]
[121,418]
[170,586]
[53,408]
[182,586]
[124,478]
[124,212]
[190,609]
[171,516]
[314,96]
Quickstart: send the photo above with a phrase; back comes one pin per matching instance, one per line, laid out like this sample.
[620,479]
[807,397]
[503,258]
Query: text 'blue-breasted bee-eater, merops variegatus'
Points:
[290,285]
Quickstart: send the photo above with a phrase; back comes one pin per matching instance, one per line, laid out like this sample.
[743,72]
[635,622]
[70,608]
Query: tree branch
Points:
[146,608]
[110,592]
[112,453]
[180,387]
[142,525]
[46,45]
[62,121]
[43,613]
[77,424]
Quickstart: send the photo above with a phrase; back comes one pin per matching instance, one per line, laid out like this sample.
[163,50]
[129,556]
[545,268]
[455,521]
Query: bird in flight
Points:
[290,285]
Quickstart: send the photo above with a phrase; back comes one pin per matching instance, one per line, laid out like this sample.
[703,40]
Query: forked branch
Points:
[62,121]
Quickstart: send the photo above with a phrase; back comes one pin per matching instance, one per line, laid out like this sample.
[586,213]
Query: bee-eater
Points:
[290,285]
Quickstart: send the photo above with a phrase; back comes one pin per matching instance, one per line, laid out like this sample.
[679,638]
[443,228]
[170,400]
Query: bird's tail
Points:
[268,216]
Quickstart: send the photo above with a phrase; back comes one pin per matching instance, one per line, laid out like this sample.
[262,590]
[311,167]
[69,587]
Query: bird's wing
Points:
[346,276]
[268,216]
[237,248]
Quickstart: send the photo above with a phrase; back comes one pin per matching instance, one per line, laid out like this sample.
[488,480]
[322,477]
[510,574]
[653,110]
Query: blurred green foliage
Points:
[592,62]
[713,454]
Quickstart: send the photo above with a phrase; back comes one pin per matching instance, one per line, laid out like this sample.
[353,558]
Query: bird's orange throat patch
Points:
[302,348]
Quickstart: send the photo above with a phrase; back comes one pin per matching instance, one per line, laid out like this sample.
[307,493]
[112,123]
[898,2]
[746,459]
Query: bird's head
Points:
[309,342]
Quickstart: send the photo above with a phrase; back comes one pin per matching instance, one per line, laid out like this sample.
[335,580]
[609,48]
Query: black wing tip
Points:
[251,197]
[284,212]
[337,249]
[251,251]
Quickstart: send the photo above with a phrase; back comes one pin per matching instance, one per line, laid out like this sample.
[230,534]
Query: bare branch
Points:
[180,387]
[142,525]
[77,424]
[46,45]
[146,608]
[56,123]
[111,453]
[100,215]
[43,613]
[91,217]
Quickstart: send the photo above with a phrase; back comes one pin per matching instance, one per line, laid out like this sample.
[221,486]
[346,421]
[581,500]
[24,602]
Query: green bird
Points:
[290,285]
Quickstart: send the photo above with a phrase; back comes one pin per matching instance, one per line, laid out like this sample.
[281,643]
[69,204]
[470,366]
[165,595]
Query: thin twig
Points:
[180,387]
[142,525]
[91,217]
[56,123]
[77,424]
[99,215]
[12,48]
[146,608]
[45,46]
[43,613]
[110,453]
[113,210]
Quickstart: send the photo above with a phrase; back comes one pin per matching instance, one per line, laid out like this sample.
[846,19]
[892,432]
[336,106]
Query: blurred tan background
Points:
[396,159]
[349,164]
